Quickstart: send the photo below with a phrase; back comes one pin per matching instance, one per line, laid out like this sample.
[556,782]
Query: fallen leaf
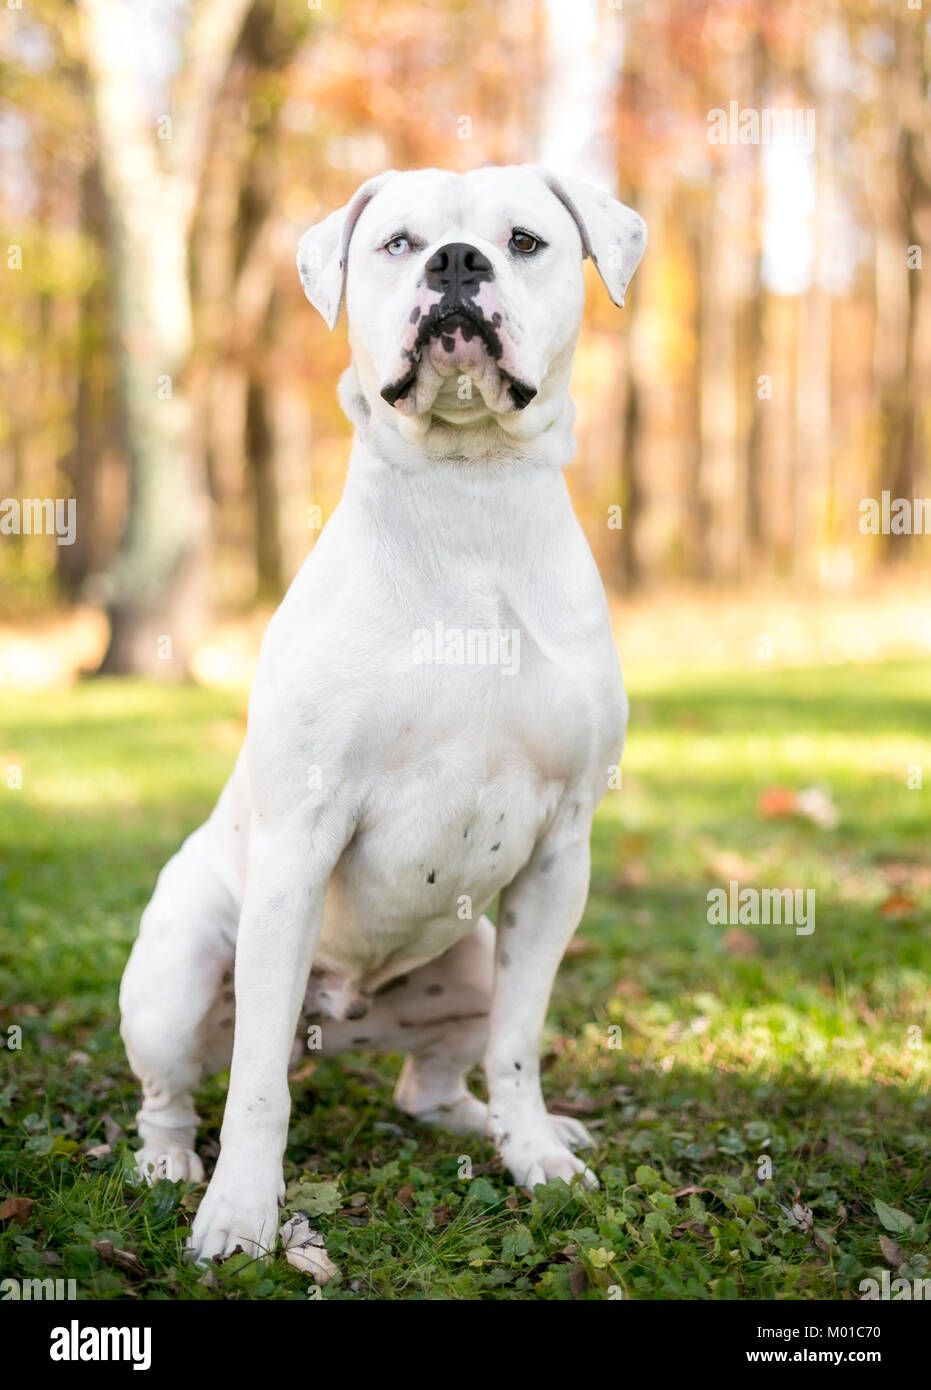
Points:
[442,1215]
[578,1279]
[562,1105]
[726,864]
[304,1249]
[17,1210]
[698,1228]
[892,1253]
[815,804]
[799,1215]
[738,942]
[112,1131]
[98,1151]
[692,1190]
[406,1196]
[898,905]
[853,1153]
[776,802]
[123,1259]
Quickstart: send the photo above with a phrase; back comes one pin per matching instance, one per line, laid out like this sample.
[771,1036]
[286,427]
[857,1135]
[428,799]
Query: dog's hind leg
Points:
[448,1004]
[176,1002]
[437,1014]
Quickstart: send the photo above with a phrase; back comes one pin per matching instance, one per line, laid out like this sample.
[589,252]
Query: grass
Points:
[759,1098]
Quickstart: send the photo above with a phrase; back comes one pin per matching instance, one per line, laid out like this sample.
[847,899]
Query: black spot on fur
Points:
[431,876]
[497,846]
[434,989]
[546,863]
[510,918]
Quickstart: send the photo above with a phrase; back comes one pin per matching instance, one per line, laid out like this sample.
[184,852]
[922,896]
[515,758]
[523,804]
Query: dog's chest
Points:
[473,763]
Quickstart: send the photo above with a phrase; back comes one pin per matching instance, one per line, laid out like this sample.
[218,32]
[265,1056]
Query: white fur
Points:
[380,805]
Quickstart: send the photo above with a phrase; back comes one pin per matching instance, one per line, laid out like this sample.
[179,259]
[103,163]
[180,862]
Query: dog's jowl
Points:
[382,802]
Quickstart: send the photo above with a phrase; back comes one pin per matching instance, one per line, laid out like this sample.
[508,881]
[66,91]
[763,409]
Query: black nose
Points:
[457,270]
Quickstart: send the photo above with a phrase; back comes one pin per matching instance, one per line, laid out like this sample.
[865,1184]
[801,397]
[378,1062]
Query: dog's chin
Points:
[456,379]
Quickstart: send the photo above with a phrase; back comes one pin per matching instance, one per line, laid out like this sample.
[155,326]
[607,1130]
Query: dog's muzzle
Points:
[456,327]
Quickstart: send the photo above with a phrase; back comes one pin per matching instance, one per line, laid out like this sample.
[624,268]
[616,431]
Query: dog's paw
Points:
[535,1159]
[570,1132]
[466,1115]
[235,1216]
[177,1165]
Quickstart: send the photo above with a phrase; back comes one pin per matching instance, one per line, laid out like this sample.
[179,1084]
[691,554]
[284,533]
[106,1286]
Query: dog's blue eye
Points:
[523,242]
[397,246]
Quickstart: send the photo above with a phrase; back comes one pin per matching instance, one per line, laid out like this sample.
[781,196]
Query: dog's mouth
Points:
[456,340]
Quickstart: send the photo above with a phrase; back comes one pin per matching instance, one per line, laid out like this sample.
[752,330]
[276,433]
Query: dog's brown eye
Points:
[523,242]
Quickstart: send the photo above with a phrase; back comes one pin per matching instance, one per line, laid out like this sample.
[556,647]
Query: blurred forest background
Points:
[159,160]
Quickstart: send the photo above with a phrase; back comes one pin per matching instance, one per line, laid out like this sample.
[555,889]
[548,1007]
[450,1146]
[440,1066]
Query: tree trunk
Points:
[156,592]
[75,562]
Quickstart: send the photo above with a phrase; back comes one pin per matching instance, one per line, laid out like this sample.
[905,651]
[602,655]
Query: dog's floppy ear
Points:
[613,235]
[324,251]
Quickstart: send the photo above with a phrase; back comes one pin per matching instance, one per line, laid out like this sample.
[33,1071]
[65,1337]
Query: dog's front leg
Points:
[278,932]
[540,910]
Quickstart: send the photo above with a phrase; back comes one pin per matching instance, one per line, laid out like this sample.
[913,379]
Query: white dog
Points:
[436,713]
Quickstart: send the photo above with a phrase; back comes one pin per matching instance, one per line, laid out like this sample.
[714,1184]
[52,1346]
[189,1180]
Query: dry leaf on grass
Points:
[726,864]
[562,1105]
[898,905]
[122,1259]
[304,1249]
[776,802]
[799,1215]
[815,804]
[892,1253]
[112,1131]
[738,942]
[17,1210]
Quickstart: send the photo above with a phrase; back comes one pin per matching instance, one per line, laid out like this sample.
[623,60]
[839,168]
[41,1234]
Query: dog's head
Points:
[464,291]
